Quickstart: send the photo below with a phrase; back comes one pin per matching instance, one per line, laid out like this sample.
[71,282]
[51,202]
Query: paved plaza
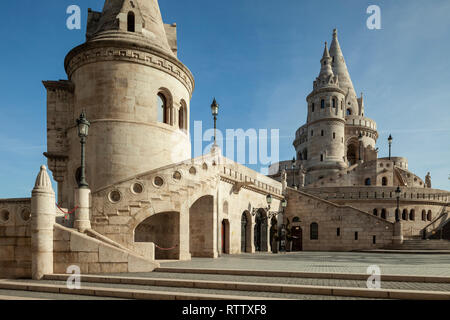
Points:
[337,262]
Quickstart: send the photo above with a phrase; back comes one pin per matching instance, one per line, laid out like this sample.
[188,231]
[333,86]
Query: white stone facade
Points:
[148,200]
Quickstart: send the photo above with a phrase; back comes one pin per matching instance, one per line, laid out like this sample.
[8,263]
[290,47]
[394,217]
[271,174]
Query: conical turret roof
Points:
[114,17]
[339,66]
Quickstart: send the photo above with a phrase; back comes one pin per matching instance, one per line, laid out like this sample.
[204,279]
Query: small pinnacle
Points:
[43,167]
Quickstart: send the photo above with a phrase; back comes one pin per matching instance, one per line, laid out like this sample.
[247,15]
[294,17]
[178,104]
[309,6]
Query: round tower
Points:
[357,124]
[134,91]
[320,143]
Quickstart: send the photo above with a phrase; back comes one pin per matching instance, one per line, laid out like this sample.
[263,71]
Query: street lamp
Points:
[269,200]
[83,130]
[284,204]
[293,172]
[390,144]
[215,113]
[397,214]
[360,139]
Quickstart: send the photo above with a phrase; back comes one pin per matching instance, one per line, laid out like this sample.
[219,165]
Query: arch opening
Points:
[163,229]
[201,227]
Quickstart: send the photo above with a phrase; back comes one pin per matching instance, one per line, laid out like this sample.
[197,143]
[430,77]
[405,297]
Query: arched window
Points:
[349,112]
[312,133]
[322,104]
[384,181]
[321,157]
[162,108]
[334,103]
[312,107]
[412,215]
[314,231]
[383,213]
[182,116]
[296,219]
[375,212]
[424,215]
[305,154]
[429,215]
[368,182]
[334,135]
[405,214]
[131,21]
[397,215]
[322,133]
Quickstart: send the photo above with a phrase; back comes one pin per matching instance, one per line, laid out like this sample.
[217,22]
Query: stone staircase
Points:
[422,245]
[228,284]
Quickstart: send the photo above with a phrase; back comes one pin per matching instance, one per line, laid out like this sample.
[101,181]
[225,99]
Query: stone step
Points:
[301,275]
[102,290]
[337,290]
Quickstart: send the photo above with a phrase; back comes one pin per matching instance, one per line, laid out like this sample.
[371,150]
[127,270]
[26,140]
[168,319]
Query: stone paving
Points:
[337,262]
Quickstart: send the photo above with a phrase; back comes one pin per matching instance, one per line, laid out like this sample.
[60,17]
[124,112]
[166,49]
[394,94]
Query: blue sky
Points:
[259,59]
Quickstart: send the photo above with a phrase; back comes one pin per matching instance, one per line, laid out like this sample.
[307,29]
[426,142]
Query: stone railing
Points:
[255,180]
[361,122]
[380,193]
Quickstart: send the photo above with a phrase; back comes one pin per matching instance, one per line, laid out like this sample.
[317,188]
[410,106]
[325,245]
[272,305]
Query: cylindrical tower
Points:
[135,93]
[356,122]
[320,143]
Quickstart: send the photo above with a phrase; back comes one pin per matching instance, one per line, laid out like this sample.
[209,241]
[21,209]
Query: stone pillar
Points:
[82,201]
[184,234]
[398,233]
[283,181]
[43,215]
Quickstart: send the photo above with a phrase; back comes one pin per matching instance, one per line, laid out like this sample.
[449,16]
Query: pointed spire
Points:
[43,183]
[326,54]
[339,66]
[325,70]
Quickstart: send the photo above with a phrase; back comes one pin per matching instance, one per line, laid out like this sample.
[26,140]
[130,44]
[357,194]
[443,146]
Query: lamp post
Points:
[215,113]
[293,172]
[83,130]
[390,145]
[360,139]
[397,214]
[282,232]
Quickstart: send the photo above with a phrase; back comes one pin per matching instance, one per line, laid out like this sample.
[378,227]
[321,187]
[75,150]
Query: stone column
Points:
[398,233]
[82,201]
[283,181]
[43,215]
[184,233]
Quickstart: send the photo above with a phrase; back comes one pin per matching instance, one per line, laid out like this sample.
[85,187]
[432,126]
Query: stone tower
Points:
[356,123]
[337,133]
[320,143]
[135,92]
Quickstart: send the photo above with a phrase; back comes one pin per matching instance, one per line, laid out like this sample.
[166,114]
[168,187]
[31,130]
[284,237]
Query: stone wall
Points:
[15,238]
[329,217]
[94,256]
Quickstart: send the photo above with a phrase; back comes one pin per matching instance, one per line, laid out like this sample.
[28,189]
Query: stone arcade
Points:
[148,200]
